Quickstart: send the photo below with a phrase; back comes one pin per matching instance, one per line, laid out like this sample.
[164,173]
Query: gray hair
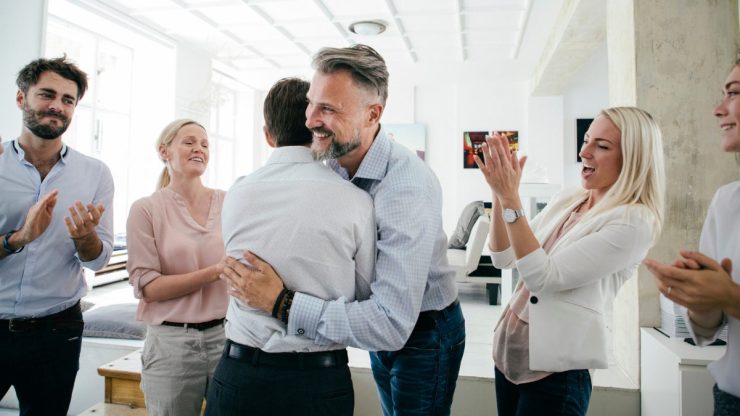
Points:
[364,63]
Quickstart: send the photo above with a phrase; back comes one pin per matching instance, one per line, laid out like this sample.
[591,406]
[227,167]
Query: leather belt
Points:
[294,360]
[428,319]
[64,319]
[200,326]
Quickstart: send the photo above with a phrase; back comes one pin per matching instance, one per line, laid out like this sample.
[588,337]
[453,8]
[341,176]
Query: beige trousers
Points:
[177,365]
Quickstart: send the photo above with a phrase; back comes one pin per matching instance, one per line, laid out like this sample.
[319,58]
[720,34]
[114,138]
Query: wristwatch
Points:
[511,215]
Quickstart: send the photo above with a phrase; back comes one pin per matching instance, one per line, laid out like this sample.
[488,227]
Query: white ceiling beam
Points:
[270,21]
[215,26]
[401,30]
[459,24]
[330,17]
[522,28]
[580,29]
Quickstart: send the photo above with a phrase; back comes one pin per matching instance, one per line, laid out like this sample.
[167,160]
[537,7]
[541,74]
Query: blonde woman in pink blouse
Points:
[174,250]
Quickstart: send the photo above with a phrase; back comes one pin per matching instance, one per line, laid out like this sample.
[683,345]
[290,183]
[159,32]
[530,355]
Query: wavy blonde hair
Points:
[642,177]
[165,139]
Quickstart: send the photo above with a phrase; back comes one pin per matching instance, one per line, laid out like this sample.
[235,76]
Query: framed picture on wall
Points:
[473,140]
[582,125]
[411,136]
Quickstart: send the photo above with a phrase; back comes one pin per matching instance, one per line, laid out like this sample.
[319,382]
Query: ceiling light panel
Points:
[501,4]
[315,29]
[425,6]
[358,10]
[226,16]
[314,44]
[179,22]
[441,23]
[280,46]
[292,61]
[142,5]
[501,20]
[256,32]
[500,38]
[291,10]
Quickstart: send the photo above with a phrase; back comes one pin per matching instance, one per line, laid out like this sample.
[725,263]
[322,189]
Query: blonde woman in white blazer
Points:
[572,259]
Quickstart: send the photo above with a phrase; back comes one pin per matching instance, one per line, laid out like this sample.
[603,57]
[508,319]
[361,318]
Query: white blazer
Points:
[577,281]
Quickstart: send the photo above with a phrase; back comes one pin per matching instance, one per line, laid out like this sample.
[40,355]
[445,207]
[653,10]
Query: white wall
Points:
[586,96]
[22,25]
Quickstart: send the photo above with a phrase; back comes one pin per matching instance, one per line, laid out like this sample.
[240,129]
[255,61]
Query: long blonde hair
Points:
[642,178]
[165,139]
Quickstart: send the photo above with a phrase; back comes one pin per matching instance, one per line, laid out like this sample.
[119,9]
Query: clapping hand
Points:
[501,167]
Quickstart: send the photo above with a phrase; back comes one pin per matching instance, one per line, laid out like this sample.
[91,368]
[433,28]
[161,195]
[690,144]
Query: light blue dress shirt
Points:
[47,276]
[411,270]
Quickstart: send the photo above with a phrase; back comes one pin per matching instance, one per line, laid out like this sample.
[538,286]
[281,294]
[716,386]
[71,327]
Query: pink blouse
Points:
[164,239]
[511,339]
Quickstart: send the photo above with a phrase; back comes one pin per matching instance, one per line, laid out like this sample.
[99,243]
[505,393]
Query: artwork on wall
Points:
[411,136]
[473,140]
[582,125]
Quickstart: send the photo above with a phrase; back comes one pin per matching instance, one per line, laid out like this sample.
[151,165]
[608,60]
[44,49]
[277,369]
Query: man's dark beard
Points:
[336,150]
[31,121]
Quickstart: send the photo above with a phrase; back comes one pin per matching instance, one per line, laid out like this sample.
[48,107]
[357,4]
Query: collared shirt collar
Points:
[22,155]
[375,163]
[290,154]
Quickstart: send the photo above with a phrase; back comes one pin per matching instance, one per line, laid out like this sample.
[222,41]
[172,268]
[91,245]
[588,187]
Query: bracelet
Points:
[278,303]
[287,303]
[6,246]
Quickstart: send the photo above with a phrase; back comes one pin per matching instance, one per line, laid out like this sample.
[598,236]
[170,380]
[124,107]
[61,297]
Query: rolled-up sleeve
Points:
[143,263]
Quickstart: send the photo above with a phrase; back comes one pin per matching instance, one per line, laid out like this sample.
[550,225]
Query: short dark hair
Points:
[30,74]
[285,112]
[364,63]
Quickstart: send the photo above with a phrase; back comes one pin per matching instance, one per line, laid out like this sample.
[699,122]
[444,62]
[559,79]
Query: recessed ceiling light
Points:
[367,27]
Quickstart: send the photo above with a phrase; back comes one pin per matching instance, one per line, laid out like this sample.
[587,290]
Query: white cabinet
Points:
[674,375]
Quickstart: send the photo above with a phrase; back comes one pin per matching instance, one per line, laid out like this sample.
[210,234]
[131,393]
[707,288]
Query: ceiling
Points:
[250,36]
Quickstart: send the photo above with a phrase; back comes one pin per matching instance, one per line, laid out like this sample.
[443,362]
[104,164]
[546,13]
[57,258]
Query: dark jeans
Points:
[420,378]
[42,365]
[565,393]
[241,388]
[725,404]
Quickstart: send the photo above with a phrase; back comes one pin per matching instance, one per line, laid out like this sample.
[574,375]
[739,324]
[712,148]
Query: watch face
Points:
[509,215]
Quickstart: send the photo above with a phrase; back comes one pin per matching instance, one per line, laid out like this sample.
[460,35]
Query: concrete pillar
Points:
[22,28]
[670,57]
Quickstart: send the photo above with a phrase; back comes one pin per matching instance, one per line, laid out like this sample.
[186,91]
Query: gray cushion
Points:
[469,216]
[114,321]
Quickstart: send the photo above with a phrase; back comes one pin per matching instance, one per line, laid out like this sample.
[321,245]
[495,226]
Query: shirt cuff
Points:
[501,259]
[102,259]
[703,336]
[305,314]
[531,264]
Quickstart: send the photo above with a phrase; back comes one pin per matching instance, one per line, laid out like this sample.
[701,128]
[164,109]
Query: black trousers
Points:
[240,387]
[41,361]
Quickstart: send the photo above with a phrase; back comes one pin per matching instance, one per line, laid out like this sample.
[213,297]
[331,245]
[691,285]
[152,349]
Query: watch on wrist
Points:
[511,215]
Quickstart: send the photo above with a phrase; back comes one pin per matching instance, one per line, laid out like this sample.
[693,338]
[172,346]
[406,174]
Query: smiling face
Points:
[188,153]
[342,116]
[602,156]
[48,105]
[728,112]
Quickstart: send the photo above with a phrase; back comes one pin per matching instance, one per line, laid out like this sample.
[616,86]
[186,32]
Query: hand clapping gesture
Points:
[501,167]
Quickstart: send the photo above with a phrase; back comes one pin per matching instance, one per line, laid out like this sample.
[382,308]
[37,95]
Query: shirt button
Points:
[533,299]
[301,331]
